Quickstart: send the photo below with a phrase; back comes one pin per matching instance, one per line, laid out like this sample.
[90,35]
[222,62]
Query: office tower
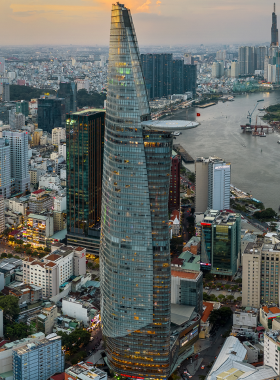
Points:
[212,184]
[22,107]
[18,141]
[190,78]
[157,70]
[5,168]
[177,76]
[188,59]
[2,66]
[174,189]
[68,91]
[58,134]
[187,288]
[134,245]
[16,120]
[221,55]
[51,113]
[234,69]
[220,242]
[84,146]
[38,360]
[241,59]
[2,214]
[6,92]
[260,281]
[274,30]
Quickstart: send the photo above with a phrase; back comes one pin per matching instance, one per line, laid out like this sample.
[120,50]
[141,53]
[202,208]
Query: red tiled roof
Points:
[38,191]
[15,232]
[3,342]
[175,214]
[207,311]
[274,310]
[53,257]
[184,274]
[58,376]
[51,264]
[265,309]
[260,328]
[79,249]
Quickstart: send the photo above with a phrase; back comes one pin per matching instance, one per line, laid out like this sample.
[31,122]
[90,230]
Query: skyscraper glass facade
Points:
[134,250]
[51,113]
[85,145]
[68,91]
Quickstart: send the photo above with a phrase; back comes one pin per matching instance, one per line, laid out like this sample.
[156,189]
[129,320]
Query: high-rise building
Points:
[274,30]
[220,242]
[84,147]
[246,60]
[18,141]
[261,52]
[51,113]
[68,91]
[212,184]
[134,246]
[174,189]
[190,78]
[38,360]
[5,168]
[2,66]
[6,92]
[188,59]
[234,69]
[22,107]
[217,69]
[178,76]
[2,214]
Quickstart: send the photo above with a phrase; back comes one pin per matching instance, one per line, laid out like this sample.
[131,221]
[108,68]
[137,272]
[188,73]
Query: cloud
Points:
[158,3]
[144,8]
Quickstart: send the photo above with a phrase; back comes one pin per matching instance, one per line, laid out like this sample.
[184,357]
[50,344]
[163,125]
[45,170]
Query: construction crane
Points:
[249,116]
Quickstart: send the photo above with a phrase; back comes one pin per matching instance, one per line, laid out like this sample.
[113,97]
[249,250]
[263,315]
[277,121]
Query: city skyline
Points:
[189,22]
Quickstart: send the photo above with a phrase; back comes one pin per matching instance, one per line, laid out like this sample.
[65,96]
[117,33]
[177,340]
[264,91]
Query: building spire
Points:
[274,8]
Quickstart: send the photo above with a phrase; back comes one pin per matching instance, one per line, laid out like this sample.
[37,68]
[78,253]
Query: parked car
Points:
[203,366]
[218,289]
[207,288]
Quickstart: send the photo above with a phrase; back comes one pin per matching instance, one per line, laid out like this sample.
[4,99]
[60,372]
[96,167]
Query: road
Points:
[208,355]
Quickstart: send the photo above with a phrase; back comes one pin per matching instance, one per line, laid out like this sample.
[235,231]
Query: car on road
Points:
[218,289]
[207,288]
[203,366]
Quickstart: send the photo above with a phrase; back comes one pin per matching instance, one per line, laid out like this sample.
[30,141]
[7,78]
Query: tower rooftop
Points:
[169,125]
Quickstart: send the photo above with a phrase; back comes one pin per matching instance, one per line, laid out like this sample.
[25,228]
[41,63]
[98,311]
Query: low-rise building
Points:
[267,315]
[245,318]
[80,310]
[39,228]
[50,181]
[252,352]
[85,371]
[39,201]
[67,324]
[26,294]
[18,205]
[233,361]
[175,222]
[44,320]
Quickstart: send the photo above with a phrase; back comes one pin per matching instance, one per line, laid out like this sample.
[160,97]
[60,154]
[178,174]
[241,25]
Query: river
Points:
[255,167]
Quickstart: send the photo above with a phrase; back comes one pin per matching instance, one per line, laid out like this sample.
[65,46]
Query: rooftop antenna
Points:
[274,8]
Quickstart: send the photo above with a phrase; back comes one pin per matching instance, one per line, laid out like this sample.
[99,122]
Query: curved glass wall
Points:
[134,250]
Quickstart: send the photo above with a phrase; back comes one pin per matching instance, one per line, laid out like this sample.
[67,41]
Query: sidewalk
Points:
[193,367]
[201,345]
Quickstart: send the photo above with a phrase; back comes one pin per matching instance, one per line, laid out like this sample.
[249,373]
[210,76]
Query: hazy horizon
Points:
[157,22]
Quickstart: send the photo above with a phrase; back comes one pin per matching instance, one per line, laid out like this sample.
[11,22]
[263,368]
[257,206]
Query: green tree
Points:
[239,299]
[221,297]
[3,254]
[230,298]
[92,99]
[209,277]
[227,286]
[10,255]
[17,330]
[10,307]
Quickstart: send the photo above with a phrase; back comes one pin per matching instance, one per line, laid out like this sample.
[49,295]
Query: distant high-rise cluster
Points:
[274,30]
[165,76]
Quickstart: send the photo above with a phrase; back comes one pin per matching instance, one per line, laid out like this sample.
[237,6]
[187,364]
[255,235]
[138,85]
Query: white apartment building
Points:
[57,135]
[55,269]
[5,168]
[16,205]
[59,203]
[49,181]
[80,310]
[2,215]
[82,84]
[62,150]
[245,318]
[272,350]
[19,159]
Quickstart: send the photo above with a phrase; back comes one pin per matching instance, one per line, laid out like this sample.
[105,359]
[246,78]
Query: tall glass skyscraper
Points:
[134,246]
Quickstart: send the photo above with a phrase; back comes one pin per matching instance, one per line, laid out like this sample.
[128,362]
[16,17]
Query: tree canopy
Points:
[268,213]
[26,93]
[90,99]
[10,307]
[17,330]
[75,339]
[220,316]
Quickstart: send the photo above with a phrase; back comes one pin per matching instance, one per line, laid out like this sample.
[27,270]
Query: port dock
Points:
[182,152]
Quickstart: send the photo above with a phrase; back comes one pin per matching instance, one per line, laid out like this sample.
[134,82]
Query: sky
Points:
[157,22]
